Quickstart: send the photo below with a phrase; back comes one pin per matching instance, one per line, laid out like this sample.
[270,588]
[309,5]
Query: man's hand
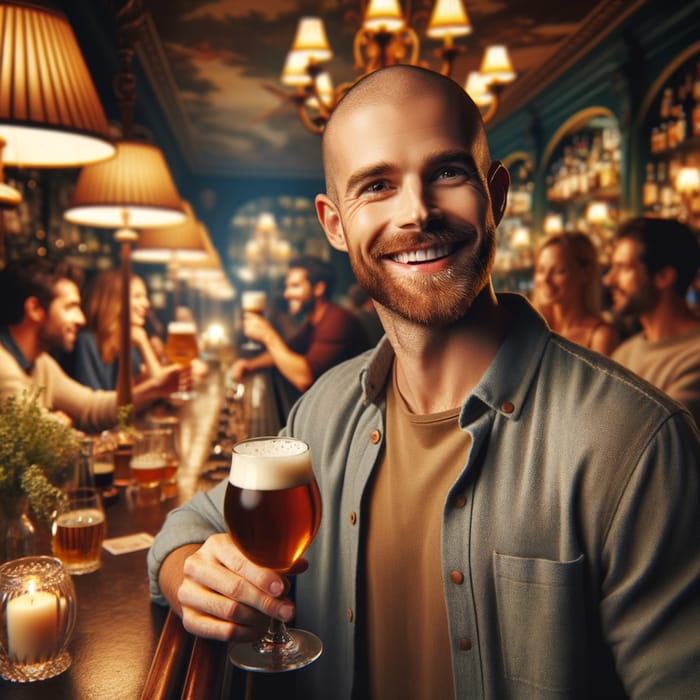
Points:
[225,596]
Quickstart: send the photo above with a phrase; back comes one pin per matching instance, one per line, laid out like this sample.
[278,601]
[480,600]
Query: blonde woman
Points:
[567,291]
[95,359]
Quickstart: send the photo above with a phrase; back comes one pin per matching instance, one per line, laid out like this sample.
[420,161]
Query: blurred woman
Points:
[567,291]
[95,358]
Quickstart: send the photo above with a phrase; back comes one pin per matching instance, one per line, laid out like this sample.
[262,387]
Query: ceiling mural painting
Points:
[215,67]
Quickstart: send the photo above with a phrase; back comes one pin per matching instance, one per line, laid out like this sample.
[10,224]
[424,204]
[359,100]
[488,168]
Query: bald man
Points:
[506,514]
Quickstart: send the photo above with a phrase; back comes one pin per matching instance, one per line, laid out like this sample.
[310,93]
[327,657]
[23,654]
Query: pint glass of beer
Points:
[181,348]
[253,301]
[273,510]
[78,529]
[148,464]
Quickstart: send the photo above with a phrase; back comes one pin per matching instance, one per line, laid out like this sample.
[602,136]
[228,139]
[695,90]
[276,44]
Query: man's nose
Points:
[414,208]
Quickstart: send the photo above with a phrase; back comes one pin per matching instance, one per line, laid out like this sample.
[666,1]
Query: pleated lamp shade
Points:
[133,189]
[50,113]
[182,242]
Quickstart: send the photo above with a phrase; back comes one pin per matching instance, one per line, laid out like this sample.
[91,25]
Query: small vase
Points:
[17,533]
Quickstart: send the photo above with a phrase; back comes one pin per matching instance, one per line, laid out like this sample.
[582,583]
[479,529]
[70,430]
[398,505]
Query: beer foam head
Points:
[271,463]
[182,328]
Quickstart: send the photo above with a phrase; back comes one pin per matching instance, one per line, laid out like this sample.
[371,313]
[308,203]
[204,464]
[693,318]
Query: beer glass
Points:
[272,508]
[78,529]
[181,348]
[253,301]
[148,463]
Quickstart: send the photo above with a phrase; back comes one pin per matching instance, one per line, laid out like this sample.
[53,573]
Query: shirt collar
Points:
[505,383]
[7,340]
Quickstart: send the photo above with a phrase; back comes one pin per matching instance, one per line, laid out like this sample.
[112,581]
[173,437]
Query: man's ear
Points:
[33,310]
[665,278]
[498,183]
[329,218]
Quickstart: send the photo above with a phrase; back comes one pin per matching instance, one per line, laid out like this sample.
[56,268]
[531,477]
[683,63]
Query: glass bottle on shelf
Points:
[650,193]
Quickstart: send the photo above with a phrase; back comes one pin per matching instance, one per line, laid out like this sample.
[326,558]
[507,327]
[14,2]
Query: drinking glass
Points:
[272,508]
[78,529]
[148,463]
[253,301]
[181,348]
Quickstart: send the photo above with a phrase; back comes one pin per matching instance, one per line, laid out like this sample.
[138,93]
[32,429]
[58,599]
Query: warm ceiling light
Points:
[50,114]
[135,189]
[178,243]
[384,39]
[384,16]
[496,67]
[449,19]
[477,89]
[311,40]
[688,180]
[294,71]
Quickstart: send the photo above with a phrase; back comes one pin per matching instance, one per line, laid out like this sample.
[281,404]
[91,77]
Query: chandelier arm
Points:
[413,43]
[493,107]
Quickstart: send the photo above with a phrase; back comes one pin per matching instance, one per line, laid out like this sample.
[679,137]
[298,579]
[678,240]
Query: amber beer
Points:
[148,469]
[181,343]
[254,301]
[78,534]
[272,504]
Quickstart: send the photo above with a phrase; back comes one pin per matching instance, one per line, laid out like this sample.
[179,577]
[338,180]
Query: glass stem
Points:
[276,633]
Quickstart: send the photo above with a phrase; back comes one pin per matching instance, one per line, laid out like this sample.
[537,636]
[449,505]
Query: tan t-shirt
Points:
[409,649]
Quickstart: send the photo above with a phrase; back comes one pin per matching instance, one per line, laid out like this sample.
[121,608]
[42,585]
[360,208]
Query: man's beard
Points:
[640,302]
[440,299]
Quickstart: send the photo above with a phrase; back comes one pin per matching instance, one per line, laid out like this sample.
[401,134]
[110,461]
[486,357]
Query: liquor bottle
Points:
[650,191]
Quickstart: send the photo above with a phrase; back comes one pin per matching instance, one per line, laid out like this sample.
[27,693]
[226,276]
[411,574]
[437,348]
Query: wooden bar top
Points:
[120,636]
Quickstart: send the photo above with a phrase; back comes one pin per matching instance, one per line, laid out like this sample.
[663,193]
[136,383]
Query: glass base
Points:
[28,673]
[263,656]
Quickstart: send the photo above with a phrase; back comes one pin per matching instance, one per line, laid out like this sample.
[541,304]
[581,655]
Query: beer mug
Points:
[78,529]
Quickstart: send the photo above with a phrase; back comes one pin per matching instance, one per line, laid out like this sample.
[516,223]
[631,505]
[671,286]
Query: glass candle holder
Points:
[37,617]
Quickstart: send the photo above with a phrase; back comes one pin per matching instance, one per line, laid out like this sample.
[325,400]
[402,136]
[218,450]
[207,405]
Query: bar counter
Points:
[121,644]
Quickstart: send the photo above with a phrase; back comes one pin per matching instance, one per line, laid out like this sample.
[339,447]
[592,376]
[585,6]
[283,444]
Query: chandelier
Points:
[386,38]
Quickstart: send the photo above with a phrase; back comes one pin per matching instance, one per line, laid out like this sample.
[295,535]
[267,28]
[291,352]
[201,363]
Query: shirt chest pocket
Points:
[542,624]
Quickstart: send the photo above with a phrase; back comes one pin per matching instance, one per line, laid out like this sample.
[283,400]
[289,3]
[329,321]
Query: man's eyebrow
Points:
[368,173]
[457,155]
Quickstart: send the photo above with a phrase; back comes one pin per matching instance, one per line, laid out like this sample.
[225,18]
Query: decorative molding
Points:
[602,20]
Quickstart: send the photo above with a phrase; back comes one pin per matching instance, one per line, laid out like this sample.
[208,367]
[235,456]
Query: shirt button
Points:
[457,577]
[348,614]
[464,644]
[460,501]
[353,517]
[508,407]
[375,436]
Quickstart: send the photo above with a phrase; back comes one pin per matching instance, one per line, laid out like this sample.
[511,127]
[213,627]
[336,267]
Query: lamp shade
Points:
[449,18]
[50,114]
[384,16]
[163,244]
[496,66]
[135,188]
[311,40]
[294,71]
[477,89]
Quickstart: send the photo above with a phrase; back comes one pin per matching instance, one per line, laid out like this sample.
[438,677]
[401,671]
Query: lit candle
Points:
[32,625]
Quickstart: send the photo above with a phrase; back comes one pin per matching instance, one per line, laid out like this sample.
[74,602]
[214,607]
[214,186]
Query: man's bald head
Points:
[398,84]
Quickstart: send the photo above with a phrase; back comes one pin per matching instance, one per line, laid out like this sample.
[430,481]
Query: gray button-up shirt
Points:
[575,521]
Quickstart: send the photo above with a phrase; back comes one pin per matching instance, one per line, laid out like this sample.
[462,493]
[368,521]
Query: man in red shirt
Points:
[329,335]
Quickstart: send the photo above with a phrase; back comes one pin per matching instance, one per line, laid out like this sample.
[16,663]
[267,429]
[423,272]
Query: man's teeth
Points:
[419,256]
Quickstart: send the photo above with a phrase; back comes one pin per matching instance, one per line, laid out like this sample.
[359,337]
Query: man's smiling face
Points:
[413,203]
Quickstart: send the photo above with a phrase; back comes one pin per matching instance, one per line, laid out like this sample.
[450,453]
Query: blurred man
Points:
[329,335]
[40,313]
[505,514]
[654,263]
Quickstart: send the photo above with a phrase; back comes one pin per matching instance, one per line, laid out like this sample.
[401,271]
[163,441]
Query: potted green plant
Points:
[37,454]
